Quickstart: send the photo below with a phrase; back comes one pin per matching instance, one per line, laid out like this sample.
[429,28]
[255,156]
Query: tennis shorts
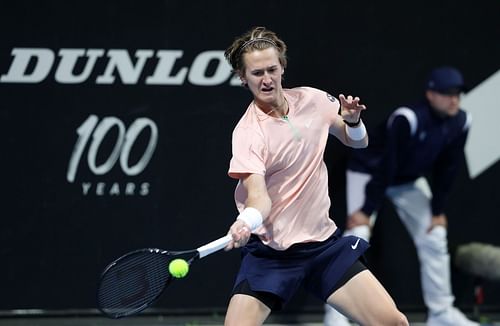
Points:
[266,273]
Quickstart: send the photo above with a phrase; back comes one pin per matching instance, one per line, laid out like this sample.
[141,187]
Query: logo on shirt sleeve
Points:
[331,97]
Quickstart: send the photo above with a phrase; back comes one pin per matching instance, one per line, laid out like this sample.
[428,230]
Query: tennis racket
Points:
[136,280]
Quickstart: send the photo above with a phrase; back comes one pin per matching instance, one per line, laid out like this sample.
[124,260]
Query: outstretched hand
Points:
[350,108]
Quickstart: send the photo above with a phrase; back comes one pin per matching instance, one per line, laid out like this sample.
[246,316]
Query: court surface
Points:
[416,319]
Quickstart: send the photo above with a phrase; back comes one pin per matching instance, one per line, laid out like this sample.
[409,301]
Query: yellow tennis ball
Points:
[178,268]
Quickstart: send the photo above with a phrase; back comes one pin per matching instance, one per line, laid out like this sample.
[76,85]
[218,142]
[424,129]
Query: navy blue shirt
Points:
[411,143]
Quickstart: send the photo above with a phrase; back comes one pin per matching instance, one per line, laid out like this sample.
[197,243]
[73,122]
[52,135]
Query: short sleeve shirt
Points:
[288,152]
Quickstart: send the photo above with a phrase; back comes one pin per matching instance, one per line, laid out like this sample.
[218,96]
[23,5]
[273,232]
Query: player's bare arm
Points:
[258,199]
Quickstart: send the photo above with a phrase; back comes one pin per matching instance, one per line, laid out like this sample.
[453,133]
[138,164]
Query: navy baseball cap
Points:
[446,80]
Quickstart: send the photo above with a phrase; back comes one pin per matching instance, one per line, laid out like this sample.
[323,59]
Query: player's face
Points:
[262,74]
[444,104]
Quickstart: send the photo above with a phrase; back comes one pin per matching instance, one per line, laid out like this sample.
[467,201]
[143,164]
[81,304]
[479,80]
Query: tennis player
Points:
[426,137]
[278,148]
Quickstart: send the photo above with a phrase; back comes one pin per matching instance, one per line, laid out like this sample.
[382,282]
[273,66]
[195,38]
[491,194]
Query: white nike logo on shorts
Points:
[354,246]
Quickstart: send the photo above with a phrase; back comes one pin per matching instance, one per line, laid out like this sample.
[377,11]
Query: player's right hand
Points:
[240,232]
[357,218]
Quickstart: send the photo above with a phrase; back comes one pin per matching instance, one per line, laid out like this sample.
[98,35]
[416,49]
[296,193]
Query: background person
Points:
[426,137]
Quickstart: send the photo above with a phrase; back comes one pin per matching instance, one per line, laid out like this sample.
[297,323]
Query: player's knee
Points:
[400,320]
[390,317]
[396,318]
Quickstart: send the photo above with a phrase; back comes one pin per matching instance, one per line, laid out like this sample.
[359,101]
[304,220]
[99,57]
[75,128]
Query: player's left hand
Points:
[350,108]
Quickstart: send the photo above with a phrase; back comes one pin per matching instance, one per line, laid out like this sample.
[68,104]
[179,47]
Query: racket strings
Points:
[133,283]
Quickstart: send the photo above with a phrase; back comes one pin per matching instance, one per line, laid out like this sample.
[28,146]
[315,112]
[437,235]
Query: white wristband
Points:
[356,133]
[252,217]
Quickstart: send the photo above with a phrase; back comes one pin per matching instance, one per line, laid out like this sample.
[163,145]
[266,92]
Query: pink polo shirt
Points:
[290,156]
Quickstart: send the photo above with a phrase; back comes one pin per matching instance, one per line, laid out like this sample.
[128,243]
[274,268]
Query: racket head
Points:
[136,280]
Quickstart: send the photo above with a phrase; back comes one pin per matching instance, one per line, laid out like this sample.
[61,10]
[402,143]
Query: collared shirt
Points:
[288,152]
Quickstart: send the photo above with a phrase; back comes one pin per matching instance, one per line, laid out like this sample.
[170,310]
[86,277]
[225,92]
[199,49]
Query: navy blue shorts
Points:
[318,266]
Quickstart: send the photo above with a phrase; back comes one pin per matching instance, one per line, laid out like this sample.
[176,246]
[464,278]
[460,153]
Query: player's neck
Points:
[278,110]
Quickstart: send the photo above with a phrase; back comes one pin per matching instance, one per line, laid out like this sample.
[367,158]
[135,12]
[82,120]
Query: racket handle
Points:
[214,246]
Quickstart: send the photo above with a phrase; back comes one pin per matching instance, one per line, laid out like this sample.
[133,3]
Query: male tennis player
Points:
[278,148]
[427,137]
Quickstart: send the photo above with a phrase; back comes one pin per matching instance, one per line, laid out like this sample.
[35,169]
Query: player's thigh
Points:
[245,310]
[366,301]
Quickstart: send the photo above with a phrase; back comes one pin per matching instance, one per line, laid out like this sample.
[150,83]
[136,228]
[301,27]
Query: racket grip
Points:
[214,246]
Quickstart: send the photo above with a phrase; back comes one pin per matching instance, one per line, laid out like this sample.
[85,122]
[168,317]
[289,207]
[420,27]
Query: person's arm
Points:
[350,130]
[257,208]
[397,138]
[444,172]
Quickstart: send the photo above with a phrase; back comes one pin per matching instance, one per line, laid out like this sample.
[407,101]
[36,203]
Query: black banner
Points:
[116,132]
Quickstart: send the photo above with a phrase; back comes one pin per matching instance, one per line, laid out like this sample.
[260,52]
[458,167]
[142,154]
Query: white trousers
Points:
[413,205]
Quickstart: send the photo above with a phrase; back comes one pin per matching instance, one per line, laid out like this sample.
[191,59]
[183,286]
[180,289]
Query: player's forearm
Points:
[357,137]
[261,202]
[257,199]
[256,209]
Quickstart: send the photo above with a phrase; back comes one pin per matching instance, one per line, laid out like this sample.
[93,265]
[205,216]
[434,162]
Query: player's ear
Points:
[244,81]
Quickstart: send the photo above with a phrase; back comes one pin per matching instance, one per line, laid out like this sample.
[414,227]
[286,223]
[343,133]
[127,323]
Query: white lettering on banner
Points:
[18,71]
[163,71]
[197,74]
[120,61]
[69,57]
[33,65]
[115,189]
[125,141]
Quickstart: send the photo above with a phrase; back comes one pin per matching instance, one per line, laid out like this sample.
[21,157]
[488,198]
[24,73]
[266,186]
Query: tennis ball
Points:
[178,268]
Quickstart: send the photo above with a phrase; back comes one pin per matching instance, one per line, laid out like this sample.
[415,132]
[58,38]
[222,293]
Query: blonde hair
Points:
[258,38]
